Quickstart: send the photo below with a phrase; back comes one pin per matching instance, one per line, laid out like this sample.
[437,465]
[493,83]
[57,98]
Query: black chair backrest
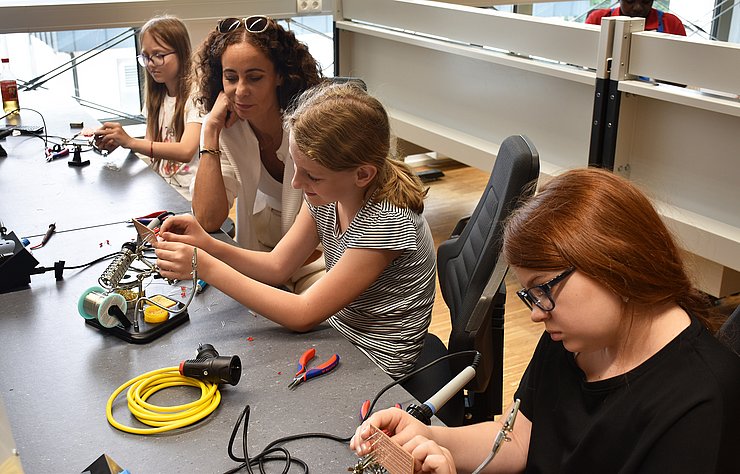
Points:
[345,79]
[729,333]
[466,263]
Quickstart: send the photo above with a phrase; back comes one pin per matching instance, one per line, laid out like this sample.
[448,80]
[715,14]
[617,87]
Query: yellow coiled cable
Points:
[163,418]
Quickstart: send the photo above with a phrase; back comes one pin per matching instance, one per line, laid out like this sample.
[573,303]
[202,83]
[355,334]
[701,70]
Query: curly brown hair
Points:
[292,61]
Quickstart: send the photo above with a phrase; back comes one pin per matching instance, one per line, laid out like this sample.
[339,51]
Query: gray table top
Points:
[58,373]
[114,188]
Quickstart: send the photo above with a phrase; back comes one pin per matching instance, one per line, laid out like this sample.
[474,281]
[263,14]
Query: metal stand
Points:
[147,332]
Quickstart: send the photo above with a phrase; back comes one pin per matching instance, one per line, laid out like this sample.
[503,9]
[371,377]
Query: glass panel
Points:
[105,74]
[109,79]
[318,33]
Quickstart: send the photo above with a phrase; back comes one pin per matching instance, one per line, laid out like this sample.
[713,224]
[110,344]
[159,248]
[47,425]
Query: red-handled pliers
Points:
[303,374]
[366,408]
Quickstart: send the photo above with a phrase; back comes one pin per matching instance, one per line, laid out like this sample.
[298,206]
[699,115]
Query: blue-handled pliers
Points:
[304,374]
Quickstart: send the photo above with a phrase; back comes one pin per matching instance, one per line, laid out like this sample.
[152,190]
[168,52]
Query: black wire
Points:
[264,456]
[411,374]
[45,137]
[46,130]
[84,265]
[97,260]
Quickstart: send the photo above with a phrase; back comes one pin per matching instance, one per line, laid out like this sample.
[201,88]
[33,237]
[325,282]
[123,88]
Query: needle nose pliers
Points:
[304,374]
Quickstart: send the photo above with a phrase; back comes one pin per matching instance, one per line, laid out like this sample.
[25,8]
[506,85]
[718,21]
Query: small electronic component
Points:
[366,465]
[146,234]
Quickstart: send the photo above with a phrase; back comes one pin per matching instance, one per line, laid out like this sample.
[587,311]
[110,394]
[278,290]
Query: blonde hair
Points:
[341,127]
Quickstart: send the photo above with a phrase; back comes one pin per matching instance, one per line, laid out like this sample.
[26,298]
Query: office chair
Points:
[729,333]
[471,277]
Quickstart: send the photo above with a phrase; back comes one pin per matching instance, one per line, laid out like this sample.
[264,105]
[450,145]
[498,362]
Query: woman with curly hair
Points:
[248,71]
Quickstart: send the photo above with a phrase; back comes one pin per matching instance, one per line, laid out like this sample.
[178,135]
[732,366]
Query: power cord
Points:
[268,454]
[163,418]
[59,267]
[58,146]
[43,121]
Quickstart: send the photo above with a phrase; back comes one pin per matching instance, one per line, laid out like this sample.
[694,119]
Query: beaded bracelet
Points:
[210,152]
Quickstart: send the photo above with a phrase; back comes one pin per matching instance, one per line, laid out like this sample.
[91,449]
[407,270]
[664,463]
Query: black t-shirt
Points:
[678,412]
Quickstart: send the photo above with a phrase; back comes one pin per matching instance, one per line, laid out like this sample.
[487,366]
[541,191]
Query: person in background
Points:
[627,376]
[363,205]
[655,20]
[173,119]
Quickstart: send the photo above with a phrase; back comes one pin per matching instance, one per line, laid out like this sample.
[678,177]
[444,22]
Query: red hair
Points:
[605,227]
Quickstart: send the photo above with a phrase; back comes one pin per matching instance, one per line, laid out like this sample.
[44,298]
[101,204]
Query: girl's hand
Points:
[184,229]
[411,434]
[399,425]
[110,136]
[430,457]
[175,260]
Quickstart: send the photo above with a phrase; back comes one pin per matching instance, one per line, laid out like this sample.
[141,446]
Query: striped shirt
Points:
[389,320]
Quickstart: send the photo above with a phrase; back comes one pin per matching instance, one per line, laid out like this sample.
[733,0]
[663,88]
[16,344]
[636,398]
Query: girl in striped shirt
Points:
[365,208]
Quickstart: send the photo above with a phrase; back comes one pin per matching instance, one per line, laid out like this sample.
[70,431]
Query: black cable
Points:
[39,270]
[265,455]
[43,121]
[97,260]
[409,375]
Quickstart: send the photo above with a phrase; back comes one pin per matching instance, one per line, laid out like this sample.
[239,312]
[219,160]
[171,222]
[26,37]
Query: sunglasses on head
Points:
[253,24]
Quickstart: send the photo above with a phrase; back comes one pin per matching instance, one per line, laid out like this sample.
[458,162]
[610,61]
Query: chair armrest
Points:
[459,227]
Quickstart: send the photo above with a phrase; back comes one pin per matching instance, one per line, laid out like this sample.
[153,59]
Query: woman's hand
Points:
[411,434]
[222,114]
[110,136]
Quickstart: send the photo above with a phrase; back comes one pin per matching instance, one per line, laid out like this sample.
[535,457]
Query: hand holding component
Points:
[304,374]
[176,261]
[185,229]
[398,424]
[112,135]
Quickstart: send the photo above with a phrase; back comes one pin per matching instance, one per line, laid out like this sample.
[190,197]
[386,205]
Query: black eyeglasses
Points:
[253,24]
[156,59]
[541,295]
